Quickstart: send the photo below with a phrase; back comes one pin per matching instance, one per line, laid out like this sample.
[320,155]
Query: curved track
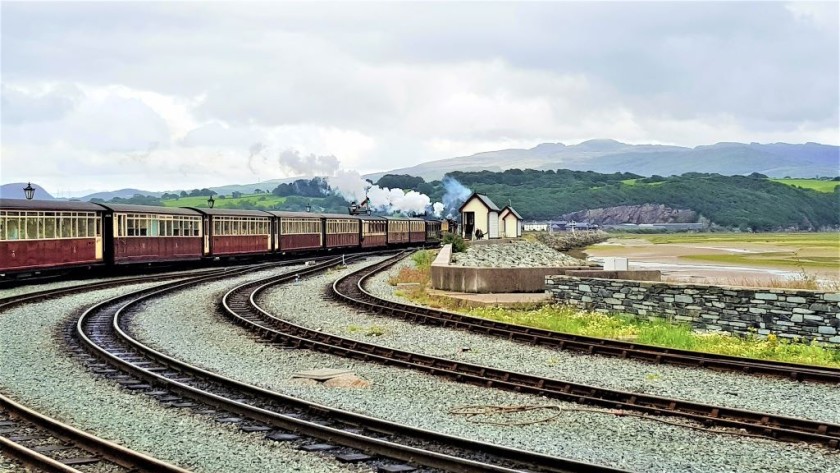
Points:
[353,437]
[241,304]
[49,445]
[350,290]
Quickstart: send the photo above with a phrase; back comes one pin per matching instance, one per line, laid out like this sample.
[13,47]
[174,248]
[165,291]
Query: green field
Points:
[813,184]
[261,200]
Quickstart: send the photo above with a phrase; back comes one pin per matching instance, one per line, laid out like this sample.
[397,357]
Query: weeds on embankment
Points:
[415,283]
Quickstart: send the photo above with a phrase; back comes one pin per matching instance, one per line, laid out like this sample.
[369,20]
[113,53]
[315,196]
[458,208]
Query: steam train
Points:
[38,236]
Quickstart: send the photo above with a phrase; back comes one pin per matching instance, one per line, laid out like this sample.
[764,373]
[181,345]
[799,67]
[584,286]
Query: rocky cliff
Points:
[646,213]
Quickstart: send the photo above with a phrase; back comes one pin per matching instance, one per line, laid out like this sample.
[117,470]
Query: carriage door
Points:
[206,223]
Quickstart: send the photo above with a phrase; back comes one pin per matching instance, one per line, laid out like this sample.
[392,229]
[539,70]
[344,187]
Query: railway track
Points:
[46,444]
[241,305]
[351,290]
[351,437]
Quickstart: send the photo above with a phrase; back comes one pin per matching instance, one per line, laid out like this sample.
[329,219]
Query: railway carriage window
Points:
[66,225]
[32,227]
[143,225]
[12,230]
[2,227]
[81,227]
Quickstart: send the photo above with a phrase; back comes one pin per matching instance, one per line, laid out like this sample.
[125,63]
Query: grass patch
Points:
[423,259]
[661,333]
[566,319]
[818,185]
[783,259]
[821,239]
[261,200]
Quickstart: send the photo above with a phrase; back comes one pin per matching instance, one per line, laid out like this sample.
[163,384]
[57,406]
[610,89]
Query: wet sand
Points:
[670,259]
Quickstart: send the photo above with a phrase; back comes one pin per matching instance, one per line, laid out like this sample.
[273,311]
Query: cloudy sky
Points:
[166,96]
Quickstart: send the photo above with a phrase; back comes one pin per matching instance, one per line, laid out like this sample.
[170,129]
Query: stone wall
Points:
[809,315]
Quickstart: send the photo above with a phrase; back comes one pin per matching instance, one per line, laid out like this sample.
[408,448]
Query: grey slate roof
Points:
[484,200]
[513,211]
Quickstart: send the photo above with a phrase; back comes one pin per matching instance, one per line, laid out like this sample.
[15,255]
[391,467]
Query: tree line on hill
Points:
[752,202]
[745,202]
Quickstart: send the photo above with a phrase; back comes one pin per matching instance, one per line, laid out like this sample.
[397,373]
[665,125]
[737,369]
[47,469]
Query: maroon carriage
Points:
[341,231]
[433,231]
[374,231]
[41,234]
[298,232]
[398,231]
[416,230]
[150,234]
[232,232]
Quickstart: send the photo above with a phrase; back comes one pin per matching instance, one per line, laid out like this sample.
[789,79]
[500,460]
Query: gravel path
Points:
[34,371]
[805,400]
[197,334]
[518,254]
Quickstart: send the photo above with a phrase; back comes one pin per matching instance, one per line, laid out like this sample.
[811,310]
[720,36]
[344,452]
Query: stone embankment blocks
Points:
[792,314]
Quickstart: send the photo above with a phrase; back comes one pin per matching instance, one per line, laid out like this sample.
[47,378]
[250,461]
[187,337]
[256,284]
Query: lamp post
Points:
[309,206]
[29,191]
[211,202]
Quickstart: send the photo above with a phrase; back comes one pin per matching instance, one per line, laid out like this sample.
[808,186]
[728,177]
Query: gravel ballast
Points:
[192,331]
[764,394]
[517,254]
[37,373]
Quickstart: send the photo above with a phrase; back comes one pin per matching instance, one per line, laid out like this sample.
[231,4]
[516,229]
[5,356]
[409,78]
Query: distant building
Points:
[535,227]
[479,213]
[510,222]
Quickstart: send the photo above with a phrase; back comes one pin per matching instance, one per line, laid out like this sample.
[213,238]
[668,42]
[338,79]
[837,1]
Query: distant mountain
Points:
[609,156]
[122,193]
[223,190]
[14,190]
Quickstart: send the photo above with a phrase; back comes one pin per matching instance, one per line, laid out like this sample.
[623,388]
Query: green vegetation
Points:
[568,320]
[823,239]
[423,259]
[819,185]
[773,259]
[265,201]
[457,241]
[749,203]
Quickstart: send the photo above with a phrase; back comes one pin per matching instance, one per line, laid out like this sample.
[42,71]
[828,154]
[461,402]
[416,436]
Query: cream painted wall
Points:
[475,205]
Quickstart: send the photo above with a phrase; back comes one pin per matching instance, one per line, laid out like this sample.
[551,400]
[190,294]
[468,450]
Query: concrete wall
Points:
[488,280]
[809,315]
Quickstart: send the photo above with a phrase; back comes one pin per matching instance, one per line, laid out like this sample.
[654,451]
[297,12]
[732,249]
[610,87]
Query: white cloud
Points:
[390,85]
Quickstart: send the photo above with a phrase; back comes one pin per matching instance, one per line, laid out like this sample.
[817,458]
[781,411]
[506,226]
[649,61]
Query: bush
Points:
[457,242]
[423,259]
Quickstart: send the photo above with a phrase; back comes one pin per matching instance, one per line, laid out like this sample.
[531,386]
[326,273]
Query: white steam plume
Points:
[351,186]
[454,195]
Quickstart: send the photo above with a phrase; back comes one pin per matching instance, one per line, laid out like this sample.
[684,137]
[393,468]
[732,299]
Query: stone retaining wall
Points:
[809,315]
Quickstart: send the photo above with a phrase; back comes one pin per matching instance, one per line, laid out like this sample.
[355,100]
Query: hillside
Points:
[14,190]
[609,156]
[748,203]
